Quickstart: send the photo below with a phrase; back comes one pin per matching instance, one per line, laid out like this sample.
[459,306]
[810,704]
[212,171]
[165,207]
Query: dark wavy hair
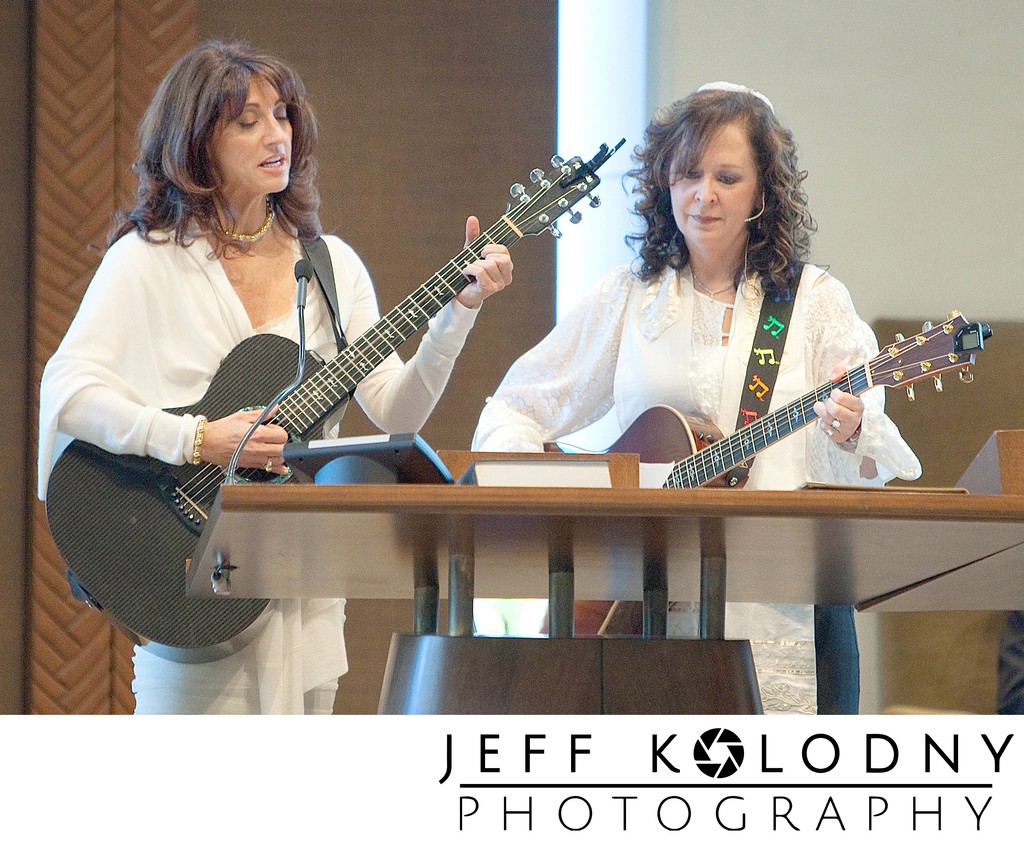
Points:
[178,183]
[677,138]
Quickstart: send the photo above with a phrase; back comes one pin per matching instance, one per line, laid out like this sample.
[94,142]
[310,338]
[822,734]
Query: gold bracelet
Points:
[197,445]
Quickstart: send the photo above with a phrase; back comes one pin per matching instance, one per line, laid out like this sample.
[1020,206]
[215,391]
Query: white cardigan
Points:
[152,329]
[154,325]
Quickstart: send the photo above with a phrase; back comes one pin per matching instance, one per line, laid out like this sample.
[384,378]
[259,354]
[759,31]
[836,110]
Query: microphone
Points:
[303,272]
[761,211]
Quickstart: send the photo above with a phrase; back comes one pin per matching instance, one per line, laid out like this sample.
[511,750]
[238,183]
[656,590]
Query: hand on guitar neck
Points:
[840,415]
[490,274]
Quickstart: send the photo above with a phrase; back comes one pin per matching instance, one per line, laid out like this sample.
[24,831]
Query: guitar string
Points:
[708,463]
[372,348]
[799,413]
[206,480]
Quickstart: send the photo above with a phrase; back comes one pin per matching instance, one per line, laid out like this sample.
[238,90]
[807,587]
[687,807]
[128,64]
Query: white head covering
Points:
[731,86]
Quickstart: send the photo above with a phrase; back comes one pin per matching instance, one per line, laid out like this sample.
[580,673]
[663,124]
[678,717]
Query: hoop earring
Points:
[759,213]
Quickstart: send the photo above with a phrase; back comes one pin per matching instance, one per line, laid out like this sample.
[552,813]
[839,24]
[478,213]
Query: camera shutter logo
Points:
[718,753]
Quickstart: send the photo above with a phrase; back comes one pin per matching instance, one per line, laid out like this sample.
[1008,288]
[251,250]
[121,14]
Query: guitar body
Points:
[661,435]
[126,534]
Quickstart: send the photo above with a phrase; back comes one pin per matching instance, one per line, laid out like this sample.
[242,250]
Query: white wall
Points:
[602,98]
[909,117]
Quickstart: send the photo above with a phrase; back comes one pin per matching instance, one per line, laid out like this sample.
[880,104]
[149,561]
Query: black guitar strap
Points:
[320,257]
[763,368]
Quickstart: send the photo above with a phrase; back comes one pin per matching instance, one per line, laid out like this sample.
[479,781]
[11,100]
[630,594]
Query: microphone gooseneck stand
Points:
[220,578]
[303,271]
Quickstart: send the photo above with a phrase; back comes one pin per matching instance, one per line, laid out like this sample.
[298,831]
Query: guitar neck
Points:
[535,211]
[733,450]
[302,412]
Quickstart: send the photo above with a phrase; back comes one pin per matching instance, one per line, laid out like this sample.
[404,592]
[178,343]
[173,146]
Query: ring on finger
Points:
[829,432]
[269,466]
[835,423]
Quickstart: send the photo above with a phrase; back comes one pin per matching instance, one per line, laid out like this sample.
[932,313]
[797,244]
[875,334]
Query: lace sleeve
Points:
[566,381]
[837,336]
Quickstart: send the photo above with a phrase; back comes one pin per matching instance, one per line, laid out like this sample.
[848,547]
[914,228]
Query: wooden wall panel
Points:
[97,63]
[14,342]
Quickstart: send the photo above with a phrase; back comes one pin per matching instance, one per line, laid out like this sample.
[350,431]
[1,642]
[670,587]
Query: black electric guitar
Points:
[702,455]
[125,525]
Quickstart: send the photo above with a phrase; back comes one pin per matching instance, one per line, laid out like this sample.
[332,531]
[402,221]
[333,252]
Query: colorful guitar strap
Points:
[763,367]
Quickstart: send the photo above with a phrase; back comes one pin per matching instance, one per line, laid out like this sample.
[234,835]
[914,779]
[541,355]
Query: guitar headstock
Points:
[950,345]
[534,210]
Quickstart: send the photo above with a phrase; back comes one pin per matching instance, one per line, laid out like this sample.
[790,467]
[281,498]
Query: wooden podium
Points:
[992,581]
[871,548]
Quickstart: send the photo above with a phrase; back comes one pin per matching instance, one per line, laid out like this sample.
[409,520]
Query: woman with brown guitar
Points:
[719,318]
[207,259]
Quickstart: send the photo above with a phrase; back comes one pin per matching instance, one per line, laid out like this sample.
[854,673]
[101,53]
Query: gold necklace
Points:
[711,294]
[259,234]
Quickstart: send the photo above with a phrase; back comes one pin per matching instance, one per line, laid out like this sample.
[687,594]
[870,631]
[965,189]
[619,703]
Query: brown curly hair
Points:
[677,137]
[178,183]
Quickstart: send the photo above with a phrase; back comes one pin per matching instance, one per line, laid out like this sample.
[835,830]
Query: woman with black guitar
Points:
[720,318]
[206,260]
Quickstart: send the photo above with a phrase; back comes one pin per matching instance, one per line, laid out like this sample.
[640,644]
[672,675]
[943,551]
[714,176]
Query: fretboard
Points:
[722,456]
[306,408]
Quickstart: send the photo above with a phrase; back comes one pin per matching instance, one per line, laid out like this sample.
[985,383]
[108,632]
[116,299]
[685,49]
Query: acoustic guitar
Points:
[700,454]
[125,525]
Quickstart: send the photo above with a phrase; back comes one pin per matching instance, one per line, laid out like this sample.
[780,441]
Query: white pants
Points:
[292,667]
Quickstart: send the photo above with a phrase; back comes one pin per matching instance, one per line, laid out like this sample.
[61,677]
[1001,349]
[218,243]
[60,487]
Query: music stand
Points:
[368,459]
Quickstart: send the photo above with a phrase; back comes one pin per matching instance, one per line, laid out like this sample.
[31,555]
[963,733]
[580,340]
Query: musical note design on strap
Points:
[774,326]
[759,387]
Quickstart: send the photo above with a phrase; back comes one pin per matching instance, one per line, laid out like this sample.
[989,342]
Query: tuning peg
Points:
[966,375]
[900,337]
[595,201]
[557,161]
[516,190]
[553,230]
[938,382]
[536,175]
[926,327]
[575,217]
[910,393]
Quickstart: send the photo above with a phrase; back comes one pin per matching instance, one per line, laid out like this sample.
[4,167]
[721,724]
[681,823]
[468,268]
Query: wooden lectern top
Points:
[809,546]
